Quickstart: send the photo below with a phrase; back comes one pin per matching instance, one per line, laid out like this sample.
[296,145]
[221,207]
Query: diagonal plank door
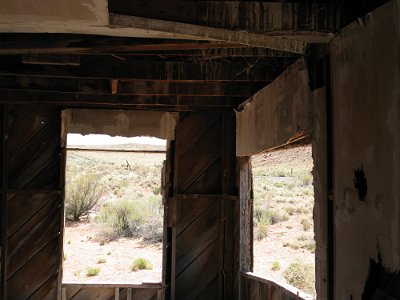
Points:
[202,166]
[32,202]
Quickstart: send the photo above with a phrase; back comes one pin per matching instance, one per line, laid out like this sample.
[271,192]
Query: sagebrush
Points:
[133,218]
[301,275]
[83,193]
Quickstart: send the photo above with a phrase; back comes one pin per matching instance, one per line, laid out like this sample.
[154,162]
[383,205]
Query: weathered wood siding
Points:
[255,288]
[32,202]
[276,114]
[109,292]
[204,208]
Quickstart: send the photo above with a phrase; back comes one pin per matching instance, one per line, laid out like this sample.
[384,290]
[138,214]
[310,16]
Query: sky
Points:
[102,139]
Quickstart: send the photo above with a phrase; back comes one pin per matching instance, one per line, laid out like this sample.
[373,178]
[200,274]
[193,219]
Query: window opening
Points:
[284,245]
[113,209]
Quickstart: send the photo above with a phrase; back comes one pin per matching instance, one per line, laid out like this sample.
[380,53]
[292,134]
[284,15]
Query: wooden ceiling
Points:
[223,53]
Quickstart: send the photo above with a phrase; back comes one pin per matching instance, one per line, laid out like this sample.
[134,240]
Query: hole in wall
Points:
[360,183]
[113,210]
[284,246]
[381,283]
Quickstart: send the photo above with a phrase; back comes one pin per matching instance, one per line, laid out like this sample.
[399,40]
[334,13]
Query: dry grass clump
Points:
[301,276]
[141,264]
[92,271]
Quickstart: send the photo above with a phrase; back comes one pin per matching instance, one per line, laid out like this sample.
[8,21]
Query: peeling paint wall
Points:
[120,122]
[366,101]
[275,114]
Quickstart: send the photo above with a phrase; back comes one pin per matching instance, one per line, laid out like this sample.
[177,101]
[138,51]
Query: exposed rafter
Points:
[112,67]
[144,87]
[208,33]
[88,99]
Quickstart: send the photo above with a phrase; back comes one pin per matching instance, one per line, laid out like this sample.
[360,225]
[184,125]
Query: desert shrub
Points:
[306,223]
[262,230]
[156,190]
[141,264]
[133,218]
[276,265]
[290,210]
[306,179]
[301,243]
[101,261]
[264,217]
[82,194]
[121,217]
[92,271]
[301,276]
[262,221]
[277,216]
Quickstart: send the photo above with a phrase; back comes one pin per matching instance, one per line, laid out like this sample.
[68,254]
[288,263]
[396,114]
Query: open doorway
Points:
[284,245]
[113,210]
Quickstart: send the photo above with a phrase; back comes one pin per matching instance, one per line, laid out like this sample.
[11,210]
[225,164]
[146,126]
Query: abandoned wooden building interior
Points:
[221,81]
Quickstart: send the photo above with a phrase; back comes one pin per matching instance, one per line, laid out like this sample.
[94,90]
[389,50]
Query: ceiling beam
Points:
[132,87]
[208,33]
[13,96]
[303,19]
[113,67]
[53,47]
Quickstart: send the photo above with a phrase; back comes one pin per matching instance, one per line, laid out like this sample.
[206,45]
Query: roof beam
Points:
[305,20]
[132,87]
[208,33]
[113,67]
[13,96]
[109,45]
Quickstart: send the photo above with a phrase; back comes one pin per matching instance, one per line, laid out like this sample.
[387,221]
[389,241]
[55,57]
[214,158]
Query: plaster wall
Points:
[72,16]
[47,12]
[365,66]
[278,112]
[120,122]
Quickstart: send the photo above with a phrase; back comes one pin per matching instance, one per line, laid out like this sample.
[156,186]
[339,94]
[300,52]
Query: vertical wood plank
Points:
[173,262]
[62,220]
[246,215]
[116,294]
[64,293]
[4,216]
[129,294]
[222,209]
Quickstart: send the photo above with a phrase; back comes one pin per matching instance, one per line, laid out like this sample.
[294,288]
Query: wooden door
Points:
[203,207]
[32,206]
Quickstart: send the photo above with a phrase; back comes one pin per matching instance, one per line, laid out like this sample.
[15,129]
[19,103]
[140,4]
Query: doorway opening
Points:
[113,210]
[283,227]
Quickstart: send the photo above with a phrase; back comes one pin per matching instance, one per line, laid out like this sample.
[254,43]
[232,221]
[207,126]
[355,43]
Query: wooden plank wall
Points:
[2,199]
[32,211]
[255,288]
[109,292]
[204,208]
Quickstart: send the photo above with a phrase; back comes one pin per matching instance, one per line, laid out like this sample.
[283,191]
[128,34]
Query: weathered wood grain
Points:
[33,203]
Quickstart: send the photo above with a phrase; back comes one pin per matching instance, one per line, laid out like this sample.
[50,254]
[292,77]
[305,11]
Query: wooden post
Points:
[116,293]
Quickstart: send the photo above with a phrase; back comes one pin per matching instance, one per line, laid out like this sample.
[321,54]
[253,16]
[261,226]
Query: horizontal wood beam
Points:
[13,96]
[208,33]
[133,87]
[54,55]
[308,19]
[110,67]
[50,48]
